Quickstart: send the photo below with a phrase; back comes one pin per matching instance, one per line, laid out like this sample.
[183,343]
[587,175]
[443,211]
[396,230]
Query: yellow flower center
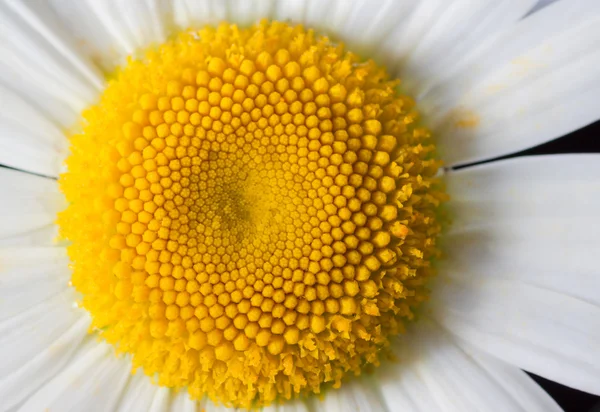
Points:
[251,211]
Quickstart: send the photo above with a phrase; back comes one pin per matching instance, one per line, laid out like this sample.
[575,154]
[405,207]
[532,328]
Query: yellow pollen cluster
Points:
[251,211]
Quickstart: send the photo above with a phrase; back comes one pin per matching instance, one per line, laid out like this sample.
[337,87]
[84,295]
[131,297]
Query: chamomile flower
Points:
[256,205]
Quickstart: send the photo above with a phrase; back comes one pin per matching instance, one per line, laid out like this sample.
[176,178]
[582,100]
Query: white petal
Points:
[293,10]
[160,401]
[246,12]
[356,395]
[29,276]
[296,405]
[196,13]
[14,79]
[39,339]
[38,61]
[36,309]
[433,373]
[532,219]
[145,20]
[28,139]
[44,236]
[517,383]
[208,406]
[368,23]
[182,403]
[541,331]
[400,384]
[331,17]
[520,279]
[38,17]
[16,386]
[362,24]
[439,37]
[93,381]
[542,3]
[110,30]
[138,395]
[34,329]
[535,82]
[28,202]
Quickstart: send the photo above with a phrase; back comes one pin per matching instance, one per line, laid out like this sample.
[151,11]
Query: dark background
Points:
[586,140]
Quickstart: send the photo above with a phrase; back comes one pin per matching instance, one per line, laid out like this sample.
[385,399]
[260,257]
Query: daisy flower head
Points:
[261,204]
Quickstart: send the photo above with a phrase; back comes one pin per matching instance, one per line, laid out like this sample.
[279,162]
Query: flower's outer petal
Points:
[535,218]
[329,17]
[28,139]
[244,12]
[138,394]
[400,385]
[520,276]
[29,276]
[208,406]
[542,3]
[28,202]
[181,402]
[18,385]
[162,401]
[39,327]
[44,84]
[94,380]
[39,340]
[43,236]
[361,24]
[38,18]
[438,37]
[433,373]
[535,82]
[294,10]
[107,31]
[355,395]
[196,13]
[529,395]
[296,405]
[39,62]
[340,19]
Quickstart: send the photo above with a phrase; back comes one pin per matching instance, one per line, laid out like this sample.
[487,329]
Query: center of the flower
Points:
[252,212]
